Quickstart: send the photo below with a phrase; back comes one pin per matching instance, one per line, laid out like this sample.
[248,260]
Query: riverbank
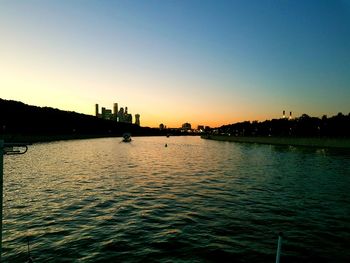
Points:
[19,138]
[47,138]
[308,142]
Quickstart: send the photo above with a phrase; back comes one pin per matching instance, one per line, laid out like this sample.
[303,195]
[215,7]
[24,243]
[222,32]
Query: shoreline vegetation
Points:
[341,143]
[24,123]
[18,138]
[48,138]
[324,132]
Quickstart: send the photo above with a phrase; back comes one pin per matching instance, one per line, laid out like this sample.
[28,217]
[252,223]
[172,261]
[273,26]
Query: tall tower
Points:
[121,116]
[284,114]
[96,110]
[115,111]
[103,113]
[137,119]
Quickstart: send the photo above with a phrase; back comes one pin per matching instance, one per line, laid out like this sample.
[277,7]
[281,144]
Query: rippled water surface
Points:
[196,200]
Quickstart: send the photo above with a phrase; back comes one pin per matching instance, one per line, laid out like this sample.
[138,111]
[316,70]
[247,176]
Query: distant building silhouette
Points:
[137,119]
[117,115]
[115,111]
[161,126]
[284,115]
[186,126]
[96,110]
[103,112]
[107,114]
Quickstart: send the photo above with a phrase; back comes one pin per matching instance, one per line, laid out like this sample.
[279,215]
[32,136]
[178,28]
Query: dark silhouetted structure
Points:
[120,115]
[19,121]
[304,126]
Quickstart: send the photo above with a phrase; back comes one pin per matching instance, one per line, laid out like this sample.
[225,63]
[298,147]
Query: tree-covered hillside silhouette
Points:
[304,126]
[17,118]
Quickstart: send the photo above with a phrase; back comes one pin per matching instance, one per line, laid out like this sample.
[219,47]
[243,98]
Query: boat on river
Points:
[126,137]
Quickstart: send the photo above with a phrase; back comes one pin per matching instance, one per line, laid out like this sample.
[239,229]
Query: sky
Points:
[204,62]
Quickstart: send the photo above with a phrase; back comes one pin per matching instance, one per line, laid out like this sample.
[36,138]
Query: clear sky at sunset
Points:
[175,61]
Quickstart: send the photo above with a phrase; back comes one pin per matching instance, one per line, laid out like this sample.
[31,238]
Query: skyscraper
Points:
[103,113]
[137,119]
[96,110]
[115,111]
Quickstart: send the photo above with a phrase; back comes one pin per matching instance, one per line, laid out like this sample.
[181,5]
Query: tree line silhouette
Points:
[17,118]
[303,126]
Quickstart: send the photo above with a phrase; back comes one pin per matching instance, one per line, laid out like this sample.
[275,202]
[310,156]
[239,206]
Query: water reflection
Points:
[101,200]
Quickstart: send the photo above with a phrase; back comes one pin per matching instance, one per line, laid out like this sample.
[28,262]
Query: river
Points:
[102,200]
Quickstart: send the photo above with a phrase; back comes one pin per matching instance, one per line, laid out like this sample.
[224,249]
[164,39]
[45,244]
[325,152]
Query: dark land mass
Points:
[333,132]
[304,126]
[20,122]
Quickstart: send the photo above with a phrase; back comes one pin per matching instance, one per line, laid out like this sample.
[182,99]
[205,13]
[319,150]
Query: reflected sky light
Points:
[203,62]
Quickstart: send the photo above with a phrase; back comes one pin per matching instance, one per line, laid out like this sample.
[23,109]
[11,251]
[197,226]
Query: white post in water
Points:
[1,189]
[279,247]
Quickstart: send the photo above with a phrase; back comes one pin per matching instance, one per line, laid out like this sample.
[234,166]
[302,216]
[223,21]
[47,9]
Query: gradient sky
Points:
[175,61]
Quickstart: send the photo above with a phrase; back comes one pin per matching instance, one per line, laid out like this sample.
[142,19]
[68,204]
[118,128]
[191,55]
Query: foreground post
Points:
[10,149]
[279,247]
[1,189]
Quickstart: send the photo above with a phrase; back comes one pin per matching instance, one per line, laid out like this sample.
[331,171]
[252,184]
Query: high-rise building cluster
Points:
[120,115]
